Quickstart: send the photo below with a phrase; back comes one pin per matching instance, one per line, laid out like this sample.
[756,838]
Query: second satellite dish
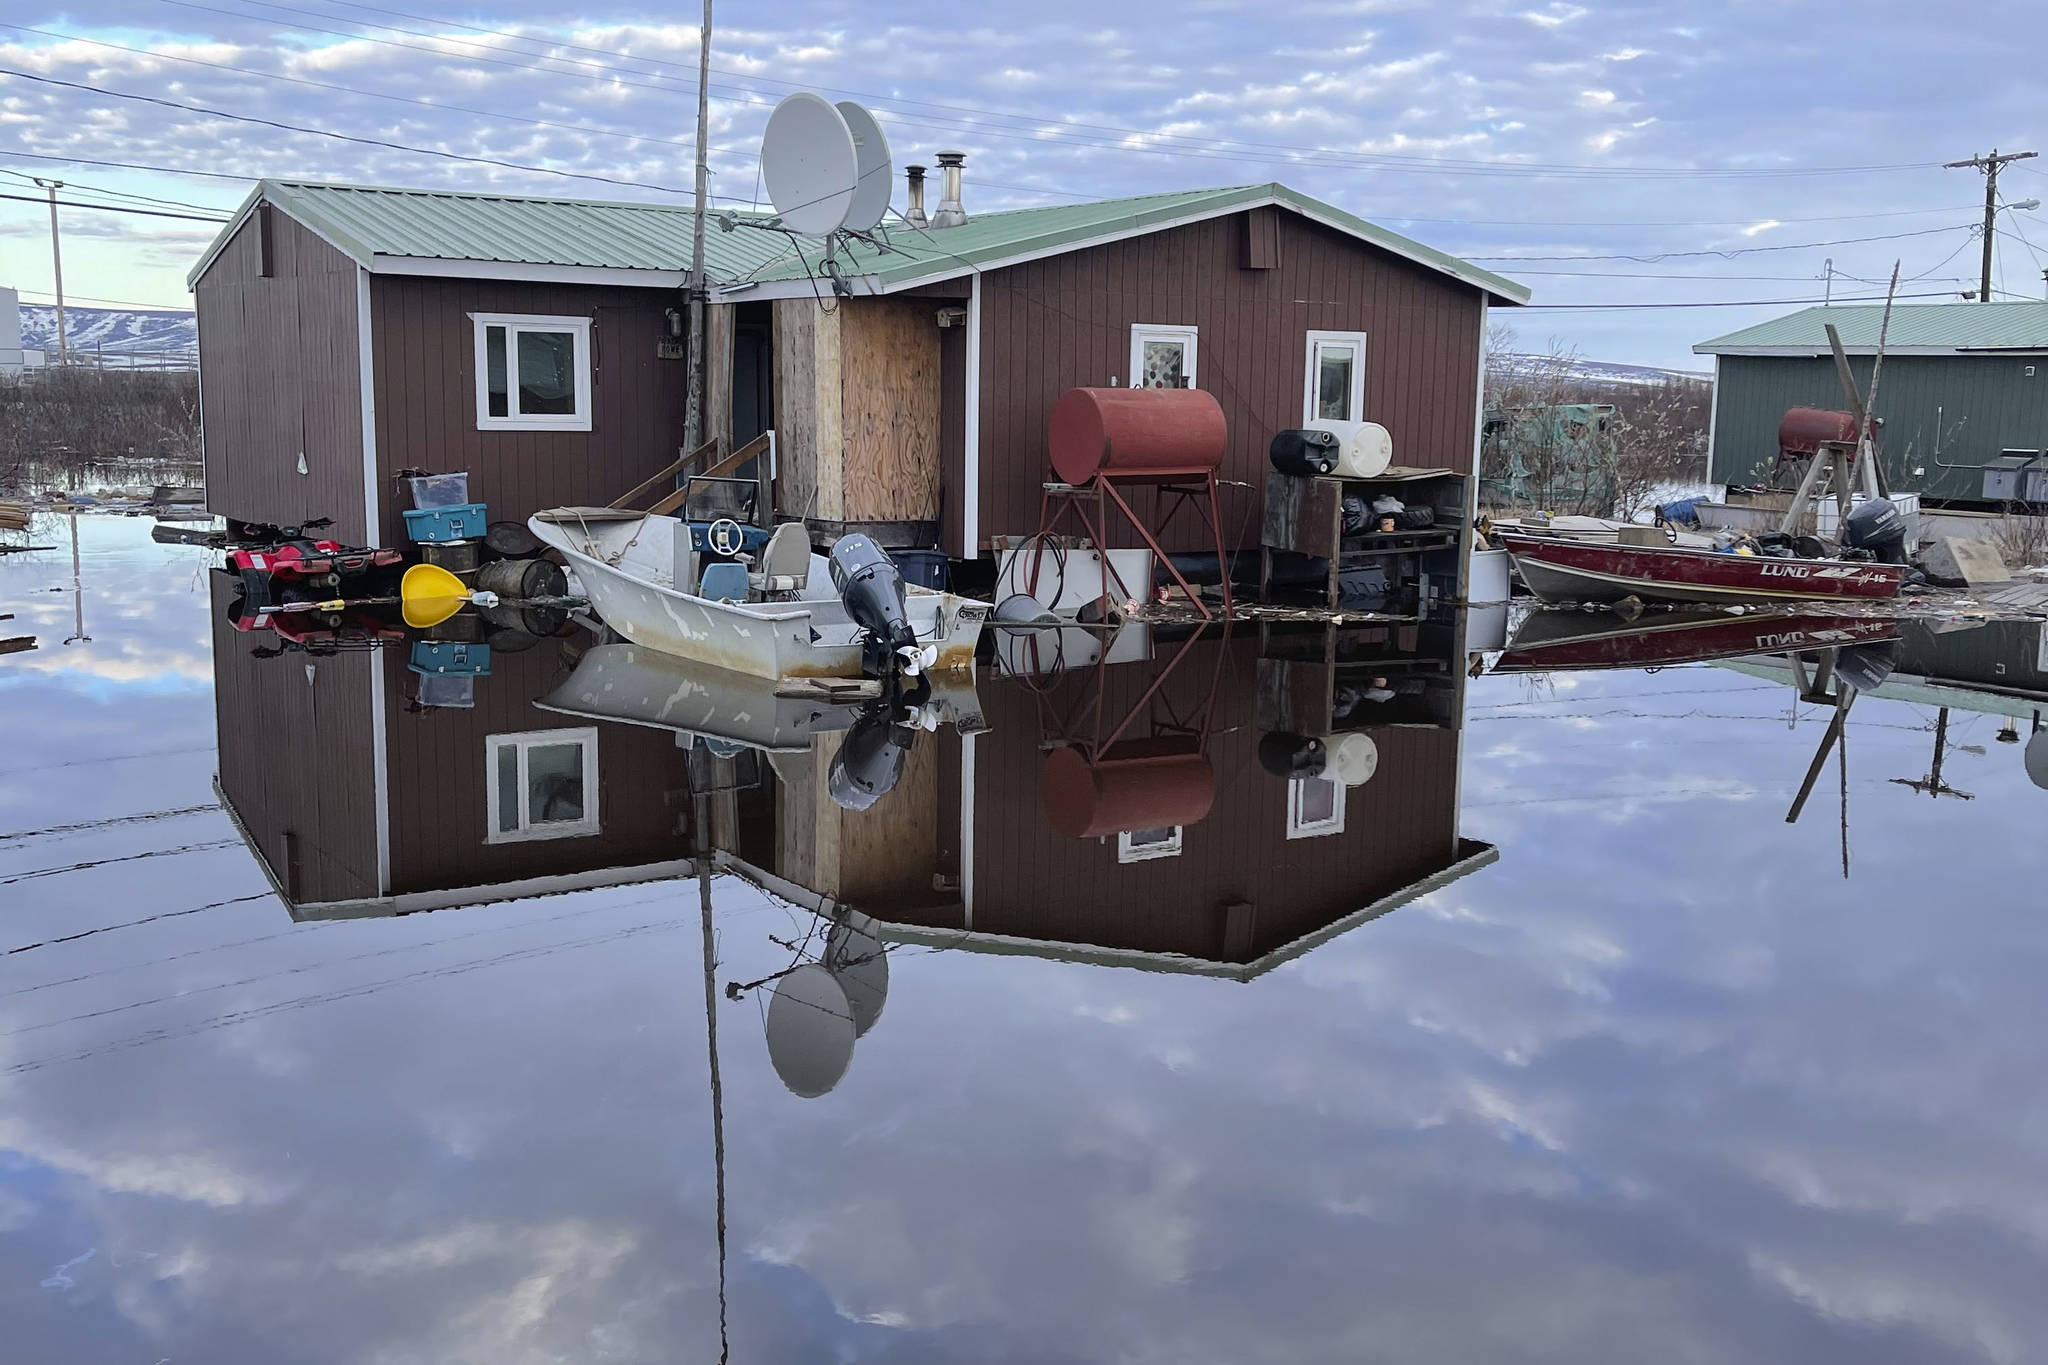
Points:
[876,175]
[810,1031]
[810,165]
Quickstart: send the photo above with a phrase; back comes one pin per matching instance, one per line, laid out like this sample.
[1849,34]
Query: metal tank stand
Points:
[1057,500]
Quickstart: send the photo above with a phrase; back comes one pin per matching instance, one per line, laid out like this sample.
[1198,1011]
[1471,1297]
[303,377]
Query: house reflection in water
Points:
[1164,798]
[1119,812]
[357,801]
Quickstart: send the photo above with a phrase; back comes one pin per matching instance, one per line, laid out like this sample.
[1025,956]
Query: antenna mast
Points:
[693,411]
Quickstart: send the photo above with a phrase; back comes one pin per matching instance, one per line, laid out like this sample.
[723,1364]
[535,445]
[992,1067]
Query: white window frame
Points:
[524,740]
[514,324]
[1189,337]
[1127,852]
[1298,828]
[1312,364]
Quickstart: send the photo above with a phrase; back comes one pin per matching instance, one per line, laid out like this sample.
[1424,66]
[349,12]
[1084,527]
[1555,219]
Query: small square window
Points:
[1163,357]
[541,785]
[532,373]
[1139,845]
[1315,806]
[1334,389]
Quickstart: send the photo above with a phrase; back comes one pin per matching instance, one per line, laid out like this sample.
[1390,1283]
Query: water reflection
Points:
[1655,1076]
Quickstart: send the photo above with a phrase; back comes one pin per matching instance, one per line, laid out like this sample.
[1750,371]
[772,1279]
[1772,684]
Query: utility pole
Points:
[693,410]
[1989,165]
[57,267]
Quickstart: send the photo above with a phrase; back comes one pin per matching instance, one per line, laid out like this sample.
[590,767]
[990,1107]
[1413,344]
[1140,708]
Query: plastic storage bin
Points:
[439,490]
[451,658]
[923,568]
[430,524]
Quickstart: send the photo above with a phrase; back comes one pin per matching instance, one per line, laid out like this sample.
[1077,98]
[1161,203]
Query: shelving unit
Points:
[1306,517]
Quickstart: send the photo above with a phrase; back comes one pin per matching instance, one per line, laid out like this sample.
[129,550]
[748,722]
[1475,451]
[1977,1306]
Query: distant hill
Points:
[1612,372]
[109,330]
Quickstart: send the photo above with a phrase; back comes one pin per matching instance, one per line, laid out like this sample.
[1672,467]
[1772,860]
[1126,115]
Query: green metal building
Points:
[1962,382]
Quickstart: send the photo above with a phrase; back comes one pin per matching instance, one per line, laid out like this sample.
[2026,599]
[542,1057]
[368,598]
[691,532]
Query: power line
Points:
[342,137]
[1730,252]
[26,178]
[1117,139]
[1731,303]
[133,923]
[125,303]
[113,208]
[127,166]
[1036,122]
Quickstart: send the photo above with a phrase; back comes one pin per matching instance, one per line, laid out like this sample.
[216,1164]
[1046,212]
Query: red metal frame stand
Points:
[1058,499]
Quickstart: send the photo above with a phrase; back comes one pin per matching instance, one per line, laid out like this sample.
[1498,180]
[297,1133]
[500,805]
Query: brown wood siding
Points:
[424,358]
[1064,321]
[1032,882]
[279,375]
[436,769]
[295,758]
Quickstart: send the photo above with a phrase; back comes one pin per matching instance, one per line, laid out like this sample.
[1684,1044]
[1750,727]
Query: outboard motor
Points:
[1879,527]
[1865,667]
[868,582]
[870,759]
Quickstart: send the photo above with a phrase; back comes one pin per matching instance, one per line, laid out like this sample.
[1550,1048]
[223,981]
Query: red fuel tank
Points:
[1140,784]
[1805,429]
[1135,432]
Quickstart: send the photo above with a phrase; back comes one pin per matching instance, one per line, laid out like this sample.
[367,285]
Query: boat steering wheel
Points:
[725,537]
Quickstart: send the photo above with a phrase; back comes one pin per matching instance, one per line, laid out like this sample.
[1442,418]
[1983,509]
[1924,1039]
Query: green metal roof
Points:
[991,239]
[1940,328]
[368,222]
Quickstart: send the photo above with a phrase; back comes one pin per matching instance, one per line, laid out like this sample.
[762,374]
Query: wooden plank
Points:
[718,336]
[18,644]
[666,476]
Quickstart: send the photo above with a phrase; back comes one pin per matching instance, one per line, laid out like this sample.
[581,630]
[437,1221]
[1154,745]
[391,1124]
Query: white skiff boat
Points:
[626,563]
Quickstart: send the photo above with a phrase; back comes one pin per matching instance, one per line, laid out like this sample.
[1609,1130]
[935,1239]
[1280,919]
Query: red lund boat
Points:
[1572,641]
[1558,570]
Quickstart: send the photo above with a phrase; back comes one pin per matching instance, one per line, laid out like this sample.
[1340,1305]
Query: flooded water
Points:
[1548,1039]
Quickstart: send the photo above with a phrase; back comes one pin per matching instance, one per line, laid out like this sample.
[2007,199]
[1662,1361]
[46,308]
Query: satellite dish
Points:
[855,955]
[809,165]
[810,1031]
[1354,758]
[2037,758]
[876,175]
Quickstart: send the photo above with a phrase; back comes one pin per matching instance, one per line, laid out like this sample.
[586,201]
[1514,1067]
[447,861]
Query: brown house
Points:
[349,332]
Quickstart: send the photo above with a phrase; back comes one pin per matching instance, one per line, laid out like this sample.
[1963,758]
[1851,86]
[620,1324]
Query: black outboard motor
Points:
[1879,527]
[1865,667]
[868,582]
[870,759]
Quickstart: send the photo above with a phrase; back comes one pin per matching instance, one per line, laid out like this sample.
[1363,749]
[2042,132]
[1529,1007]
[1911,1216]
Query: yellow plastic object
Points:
[1740,549]
[429,595]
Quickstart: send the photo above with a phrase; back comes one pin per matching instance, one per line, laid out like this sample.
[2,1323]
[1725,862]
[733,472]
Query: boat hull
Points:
[807,637]
[1576,571]
[1578,641]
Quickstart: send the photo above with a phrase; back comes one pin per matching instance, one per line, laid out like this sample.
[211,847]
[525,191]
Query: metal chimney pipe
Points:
[950,213]
[914,187]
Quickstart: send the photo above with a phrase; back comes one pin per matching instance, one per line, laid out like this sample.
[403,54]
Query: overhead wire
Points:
[113,208]
[1726,253]
[1113,139]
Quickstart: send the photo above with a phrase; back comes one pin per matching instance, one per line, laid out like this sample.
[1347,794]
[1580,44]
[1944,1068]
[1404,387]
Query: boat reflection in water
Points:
[1210,801]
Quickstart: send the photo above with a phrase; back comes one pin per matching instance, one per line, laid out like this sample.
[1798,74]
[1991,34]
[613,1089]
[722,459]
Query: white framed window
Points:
[1333,388]
[1140,845]
[1315,806]
[1163,357]
[540,784]
[532,373]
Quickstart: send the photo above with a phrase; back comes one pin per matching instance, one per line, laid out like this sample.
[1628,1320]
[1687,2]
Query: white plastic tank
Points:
[1364,449]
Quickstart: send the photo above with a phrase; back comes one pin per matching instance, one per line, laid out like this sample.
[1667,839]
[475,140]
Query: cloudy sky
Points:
[1697,154]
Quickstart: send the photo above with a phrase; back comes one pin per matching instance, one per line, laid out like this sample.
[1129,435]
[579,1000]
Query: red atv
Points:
[272,560]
